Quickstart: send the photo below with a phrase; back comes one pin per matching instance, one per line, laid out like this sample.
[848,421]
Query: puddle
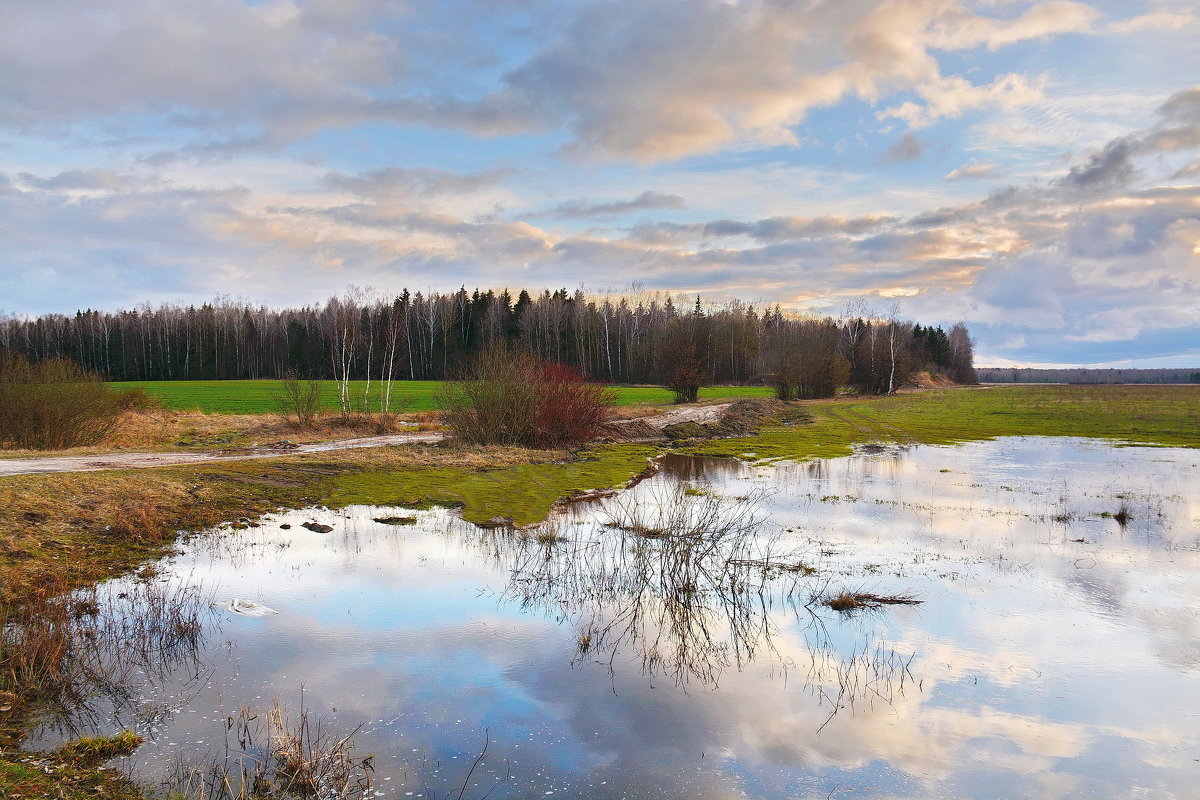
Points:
[618,653]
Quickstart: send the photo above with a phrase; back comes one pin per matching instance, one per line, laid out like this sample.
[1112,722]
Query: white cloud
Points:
[949,98]
[1154,21]
[656,82]
[974,170]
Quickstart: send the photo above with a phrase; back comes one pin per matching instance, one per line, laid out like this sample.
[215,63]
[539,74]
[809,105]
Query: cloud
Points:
[959,29]
[85,179]
[663,81]
[763,230]
[1182,107]
[907,148]
[168,57]
[951,97]
[414,183]
[1187,171]
[1154,21]
[648,200]
[1111,167]
[646,81]
[974,170]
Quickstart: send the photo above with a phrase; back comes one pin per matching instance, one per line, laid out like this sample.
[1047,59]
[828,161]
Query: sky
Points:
[1030,168]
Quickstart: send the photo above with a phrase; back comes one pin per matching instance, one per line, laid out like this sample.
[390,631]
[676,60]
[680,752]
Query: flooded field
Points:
[1028,625]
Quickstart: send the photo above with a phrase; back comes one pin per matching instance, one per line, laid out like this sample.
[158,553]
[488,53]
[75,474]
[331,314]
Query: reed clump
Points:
[278,755]
[60,647]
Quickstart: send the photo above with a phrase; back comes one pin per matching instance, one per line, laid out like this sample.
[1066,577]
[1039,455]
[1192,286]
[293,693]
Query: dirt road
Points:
[122,460]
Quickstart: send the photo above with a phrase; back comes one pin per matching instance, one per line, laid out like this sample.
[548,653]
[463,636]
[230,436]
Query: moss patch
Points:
[95,750]
[524,493]
[72,772]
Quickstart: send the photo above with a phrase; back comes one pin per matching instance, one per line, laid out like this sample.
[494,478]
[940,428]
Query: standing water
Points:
[1027,625]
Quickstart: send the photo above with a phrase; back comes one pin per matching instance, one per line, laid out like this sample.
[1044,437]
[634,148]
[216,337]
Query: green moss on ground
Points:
[523,493]
[72,772]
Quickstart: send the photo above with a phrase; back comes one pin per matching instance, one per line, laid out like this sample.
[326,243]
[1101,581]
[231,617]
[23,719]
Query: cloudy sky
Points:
[1032,168]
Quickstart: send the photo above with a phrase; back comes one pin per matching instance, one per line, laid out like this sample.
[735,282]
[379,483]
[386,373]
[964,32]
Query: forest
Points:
[1067,375]
[632,339]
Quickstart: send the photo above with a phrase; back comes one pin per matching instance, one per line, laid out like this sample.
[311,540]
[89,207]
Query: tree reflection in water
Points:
[693,583]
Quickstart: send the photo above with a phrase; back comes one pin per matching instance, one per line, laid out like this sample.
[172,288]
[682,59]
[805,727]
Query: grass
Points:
[1157,415]
[260,397]
[522,493]
[25,776]
[77,529]
[98,749]
[72,772]
[852,601]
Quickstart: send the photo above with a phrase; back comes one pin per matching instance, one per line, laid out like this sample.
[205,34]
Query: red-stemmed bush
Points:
[570,409]
[511,397]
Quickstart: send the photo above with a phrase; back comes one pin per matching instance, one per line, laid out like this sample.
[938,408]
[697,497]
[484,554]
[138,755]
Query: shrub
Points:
[570,410]
[138,399]
[512,397]
[54,404]
[300,399]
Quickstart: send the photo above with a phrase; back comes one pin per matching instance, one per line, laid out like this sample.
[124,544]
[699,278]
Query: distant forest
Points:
[1021,375]
[634,339]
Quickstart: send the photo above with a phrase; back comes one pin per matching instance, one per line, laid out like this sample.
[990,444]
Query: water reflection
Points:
[681,577]
[666,642]
[101,647]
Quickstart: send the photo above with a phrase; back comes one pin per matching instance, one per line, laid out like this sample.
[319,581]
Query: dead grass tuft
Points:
[141,520]
[279,755]
[847,602]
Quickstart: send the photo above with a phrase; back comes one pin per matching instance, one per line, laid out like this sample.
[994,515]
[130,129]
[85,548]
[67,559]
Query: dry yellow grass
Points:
[167,430]
[89,525]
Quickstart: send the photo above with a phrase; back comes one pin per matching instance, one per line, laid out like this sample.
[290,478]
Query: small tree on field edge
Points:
[300,399]
[682,355]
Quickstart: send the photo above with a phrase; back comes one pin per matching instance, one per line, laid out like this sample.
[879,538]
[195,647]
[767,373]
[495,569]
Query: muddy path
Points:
[132,460]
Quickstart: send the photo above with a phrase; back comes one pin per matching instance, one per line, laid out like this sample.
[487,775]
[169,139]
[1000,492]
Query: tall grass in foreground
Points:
[277,755]
[62,649]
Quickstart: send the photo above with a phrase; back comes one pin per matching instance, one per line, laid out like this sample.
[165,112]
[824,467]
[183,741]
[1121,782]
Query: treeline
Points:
[1023,375]
[626,339]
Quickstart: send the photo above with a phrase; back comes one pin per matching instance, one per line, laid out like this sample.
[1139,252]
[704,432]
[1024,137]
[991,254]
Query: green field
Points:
[261,397]
[1160,415]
